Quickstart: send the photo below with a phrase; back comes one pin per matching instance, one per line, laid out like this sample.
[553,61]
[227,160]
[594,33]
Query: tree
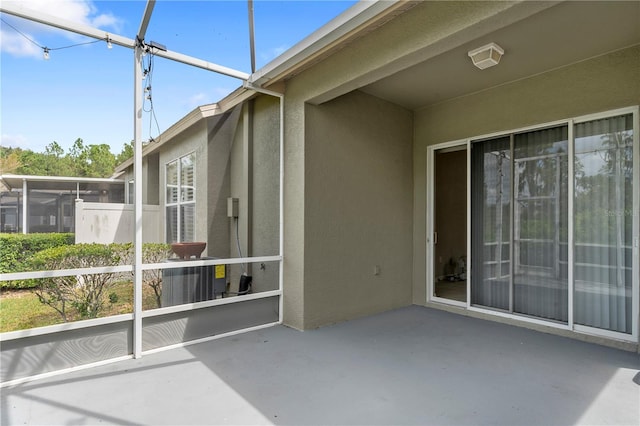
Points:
[54,149]
[79,156]
[125,154]
[56,163]
[80,161]
[32,163]
[100,161]
[9,161]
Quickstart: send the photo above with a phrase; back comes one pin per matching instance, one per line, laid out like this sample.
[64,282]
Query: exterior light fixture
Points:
[109,45]
[486,56]
[45,53]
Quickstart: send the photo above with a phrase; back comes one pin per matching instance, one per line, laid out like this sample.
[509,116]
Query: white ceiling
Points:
[561,35]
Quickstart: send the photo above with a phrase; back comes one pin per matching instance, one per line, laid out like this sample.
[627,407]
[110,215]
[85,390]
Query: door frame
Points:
[571,326]
[462,144]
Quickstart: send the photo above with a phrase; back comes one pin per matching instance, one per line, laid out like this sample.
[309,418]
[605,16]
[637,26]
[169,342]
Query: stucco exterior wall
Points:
[427,31]
[266,189]
[294,218]
[150,180]
[357,208]
[600,84]
[221,131]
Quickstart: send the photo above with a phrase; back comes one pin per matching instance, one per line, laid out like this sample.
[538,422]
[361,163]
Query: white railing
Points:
[14,276]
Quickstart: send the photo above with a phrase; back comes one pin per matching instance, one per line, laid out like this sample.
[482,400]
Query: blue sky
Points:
[87,91]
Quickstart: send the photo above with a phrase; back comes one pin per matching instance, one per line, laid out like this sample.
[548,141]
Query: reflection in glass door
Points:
[540,223]
[491,223]
[604,222]
[520,223]
[554,223]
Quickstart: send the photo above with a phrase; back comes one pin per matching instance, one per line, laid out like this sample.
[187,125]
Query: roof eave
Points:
[233,99]
[337,31]
[15,181]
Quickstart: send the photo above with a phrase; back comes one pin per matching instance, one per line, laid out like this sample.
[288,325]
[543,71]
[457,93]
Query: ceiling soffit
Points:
[555,37]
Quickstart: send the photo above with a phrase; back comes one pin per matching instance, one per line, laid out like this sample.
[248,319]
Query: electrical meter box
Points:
[232,207]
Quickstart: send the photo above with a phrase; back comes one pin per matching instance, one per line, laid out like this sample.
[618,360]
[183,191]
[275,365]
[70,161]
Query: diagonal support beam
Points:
[74,27]
[146,17]
[14,9]
[252,45]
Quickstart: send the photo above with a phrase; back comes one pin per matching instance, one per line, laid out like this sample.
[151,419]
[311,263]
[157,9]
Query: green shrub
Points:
[87,292]
[155,253]
[151,253]
[16,251]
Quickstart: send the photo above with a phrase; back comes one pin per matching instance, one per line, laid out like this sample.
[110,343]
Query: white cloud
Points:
[80,11]
[221,92]
[201,98]
[273,52]
[197,100]
[107,21]
[15,141]
[16,45]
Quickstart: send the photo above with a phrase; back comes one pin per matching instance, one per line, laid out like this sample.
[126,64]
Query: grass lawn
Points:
[21,309]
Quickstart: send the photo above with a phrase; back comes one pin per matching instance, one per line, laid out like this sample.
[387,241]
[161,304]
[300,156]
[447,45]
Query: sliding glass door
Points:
[540,223]
[553,220]
[520,222]
[491,223]
[603,223]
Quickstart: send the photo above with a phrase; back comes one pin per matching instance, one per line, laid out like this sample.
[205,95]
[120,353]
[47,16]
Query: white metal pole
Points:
[252,46]
[281,219]
[24,206]
[137,192]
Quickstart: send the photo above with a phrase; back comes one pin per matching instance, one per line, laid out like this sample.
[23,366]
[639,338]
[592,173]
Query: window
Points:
[180,199]
[525,206]
[130,192]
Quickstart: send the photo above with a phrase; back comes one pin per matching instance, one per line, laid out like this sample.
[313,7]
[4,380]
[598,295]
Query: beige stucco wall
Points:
[600,84]
[254,173]
[265,194]
[221,131]
[357,208]
[317,102]
[425,32]
[294,219]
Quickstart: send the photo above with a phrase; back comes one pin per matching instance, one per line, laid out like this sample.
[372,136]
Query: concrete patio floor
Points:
[413,365]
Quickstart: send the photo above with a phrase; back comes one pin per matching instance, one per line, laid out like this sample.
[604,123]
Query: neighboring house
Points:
[526,171]
[193,169]
[50,201]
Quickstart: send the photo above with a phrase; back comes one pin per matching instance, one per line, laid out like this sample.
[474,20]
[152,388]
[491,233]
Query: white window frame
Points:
[129,192]
[179,203]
